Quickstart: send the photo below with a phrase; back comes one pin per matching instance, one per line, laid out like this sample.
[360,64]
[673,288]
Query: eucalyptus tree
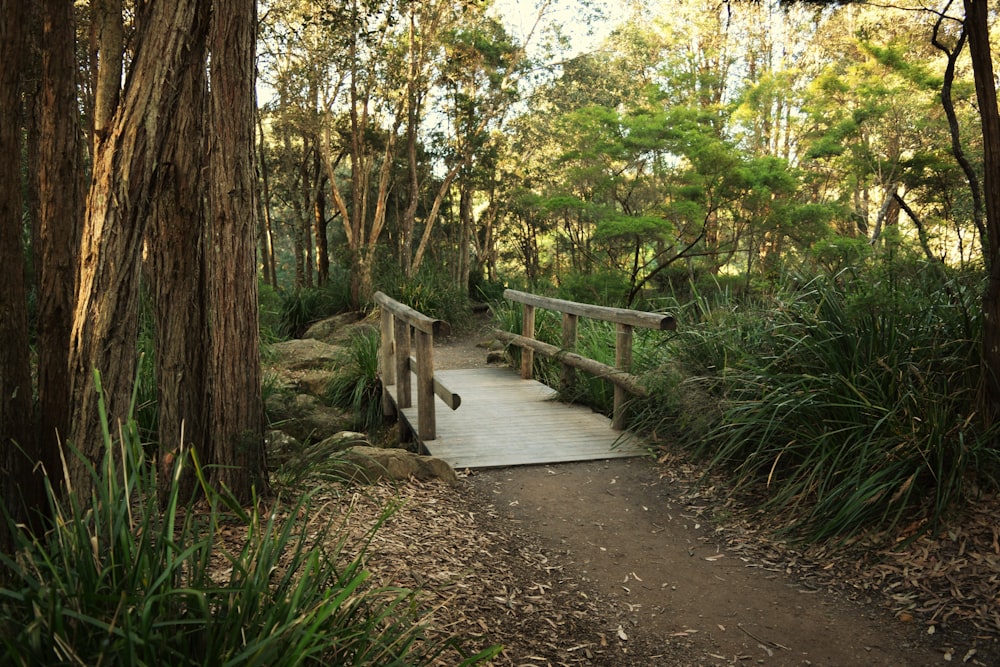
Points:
[15,374]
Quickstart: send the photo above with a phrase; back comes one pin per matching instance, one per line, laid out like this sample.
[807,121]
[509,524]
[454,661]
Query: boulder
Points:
[304,417]
[333,329]
[343,441]
[373,463]
[304,354]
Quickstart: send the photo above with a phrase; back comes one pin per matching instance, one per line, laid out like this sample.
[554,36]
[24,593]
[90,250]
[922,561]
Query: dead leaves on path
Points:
[477,579]
[949,581]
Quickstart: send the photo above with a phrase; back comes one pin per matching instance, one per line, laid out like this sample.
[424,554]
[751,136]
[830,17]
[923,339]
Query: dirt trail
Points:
[681,597]
[672,585]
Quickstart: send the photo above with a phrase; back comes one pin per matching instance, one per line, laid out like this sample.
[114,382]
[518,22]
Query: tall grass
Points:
[117,580]
[357,386]
[843,405]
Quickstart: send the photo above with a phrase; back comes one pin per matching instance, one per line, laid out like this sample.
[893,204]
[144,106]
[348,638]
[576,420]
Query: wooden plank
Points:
[637,318]
[507,421]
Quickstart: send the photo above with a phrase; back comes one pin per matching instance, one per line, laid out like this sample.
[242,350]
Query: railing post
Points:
[528,331]
[403,398]
[623,361]
[386,363]
[426,421]
[569,321]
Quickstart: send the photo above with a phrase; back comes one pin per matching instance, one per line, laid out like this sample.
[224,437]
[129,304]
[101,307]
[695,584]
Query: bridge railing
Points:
[404,330]
[625,321]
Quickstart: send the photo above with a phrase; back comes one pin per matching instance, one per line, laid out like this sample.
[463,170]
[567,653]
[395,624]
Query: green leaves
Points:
[119,579]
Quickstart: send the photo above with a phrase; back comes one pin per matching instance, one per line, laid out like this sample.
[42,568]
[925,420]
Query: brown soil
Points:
[634,562]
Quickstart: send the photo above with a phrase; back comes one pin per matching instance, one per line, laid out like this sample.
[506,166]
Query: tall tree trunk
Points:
[237,414]
[266,233]
[320,223]
[15,374]
[103,335]
[977,27]
[465,232]
[176,274]
[60,190]
[107,54]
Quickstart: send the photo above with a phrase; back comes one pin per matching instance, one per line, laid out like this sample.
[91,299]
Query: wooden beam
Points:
[596,368]
[426,420]
[414,318]
[450,398]
[623,362]
[528,331]
[569,322]
[635,318]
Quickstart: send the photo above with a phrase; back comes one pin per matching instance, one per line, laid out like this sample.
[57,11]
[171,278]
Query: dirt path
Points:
[670,584]
[672,588]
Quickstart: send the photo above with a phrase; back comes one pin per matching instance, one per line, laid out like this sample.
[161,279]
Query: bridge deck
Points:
[504,420]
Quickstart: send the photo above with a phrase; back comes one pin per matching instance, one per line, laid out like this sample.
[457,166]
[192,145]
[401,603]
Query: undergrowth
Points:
[842,405]
[116,580]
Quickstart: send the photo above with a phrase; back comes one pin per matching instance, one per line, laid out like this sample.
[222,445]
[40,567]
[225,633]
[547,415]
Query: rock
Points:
[375,463]
[333,329]
[304,417]
[304,354]
[496,357]
[344,440]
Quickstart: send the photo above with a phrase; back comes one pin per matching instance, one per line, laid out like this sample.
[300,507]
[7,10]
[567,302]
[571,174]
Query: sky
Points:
[521,15]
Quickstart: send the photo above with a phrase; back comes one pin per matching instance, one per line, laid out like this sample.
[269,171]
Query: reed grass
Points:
[119,579]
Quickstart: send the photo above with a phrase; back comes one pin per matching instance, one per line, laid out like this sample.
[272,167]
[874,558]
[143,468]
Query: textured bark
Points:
[61,195]
[103,336]
[237,416]
[107,43]
[15,376]
[177,274]
[977,27]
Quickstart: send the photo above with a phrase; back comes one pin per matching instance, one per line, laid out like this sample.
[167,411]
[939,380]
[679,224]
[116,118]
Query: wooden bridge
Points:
[507,418]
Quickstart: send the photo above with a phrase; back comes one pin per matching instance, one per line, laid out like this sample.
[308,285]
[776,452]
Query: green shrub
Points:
[118,581]
[306,306]
[432,291]
[358,386]
[846,408]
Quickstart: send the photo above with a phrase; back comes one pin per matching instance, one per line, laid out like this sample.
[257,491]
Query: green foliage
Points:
[306,306]
[603,288]
[357,386]
[270,306]
[848,407]
[433,292]
[119,581]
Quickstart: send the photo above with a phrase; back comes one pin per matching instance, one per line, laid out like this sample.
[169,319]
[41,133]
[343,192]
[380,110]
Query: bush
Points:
[118,581]
[304,307]
[847,408]
[358,385]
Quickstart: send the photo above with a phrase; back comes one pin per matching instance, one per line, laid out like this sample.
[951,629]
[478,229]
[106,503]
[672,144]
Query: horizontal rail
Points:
[414,318]
[614,375]
[450,398]
[625,321]
[635,318]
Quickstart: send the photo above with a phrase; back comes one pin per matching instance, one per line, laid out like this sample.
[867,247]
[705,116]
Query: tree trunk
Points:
[107,52]
[103,335]
[266,241]
[465,232]
[60,190]
[15,374]
[237,415]
[977,26]
[320,226]
[177,275]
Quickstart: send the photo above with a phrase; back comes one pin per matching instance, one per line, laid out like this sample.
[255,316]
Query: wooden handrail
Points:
[625,320]
[395,364]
